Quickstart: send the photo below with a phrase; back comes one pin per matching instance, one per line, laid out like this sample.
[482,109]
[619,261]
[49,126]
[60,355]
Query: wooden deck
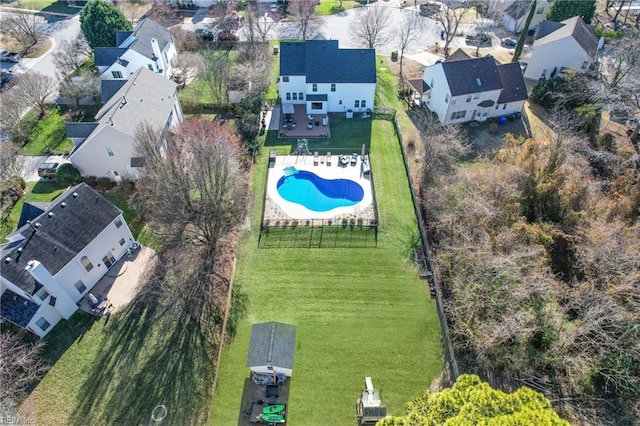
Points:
[253,393]
[302,128]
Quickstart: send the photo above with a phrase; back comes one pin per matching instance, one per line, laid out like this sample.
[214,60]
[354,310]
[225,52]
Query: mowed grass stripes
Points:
[358,311]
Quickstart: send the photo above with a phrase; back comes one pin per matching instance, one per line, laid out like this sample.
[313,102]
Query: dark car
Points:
[48,170]
[5,78]
[6,56]
[205,34]
[509,42]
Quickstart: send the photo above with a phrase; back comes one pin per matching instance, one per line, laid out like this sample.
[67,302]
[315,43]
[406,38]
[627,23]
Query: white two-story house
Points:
[463,89]
[513,13]
[149,45]
[107,147]
[325,78]
[56,258]
[570,44]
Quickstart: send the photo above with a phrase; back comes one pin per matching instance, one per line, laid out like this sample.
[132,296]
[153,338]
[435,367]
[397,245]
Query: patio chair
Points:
[354,158]
[329,158]
[315,158]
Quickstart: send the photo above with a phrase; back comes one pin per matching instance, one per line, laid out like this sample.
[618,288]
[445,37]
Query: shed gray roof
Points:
[322,61]
[144,32]
[80,129]
[106,56]
[60,237]
[513,87]
[145,97]
[573,27]
[472,75]
[110,88]
[272,343]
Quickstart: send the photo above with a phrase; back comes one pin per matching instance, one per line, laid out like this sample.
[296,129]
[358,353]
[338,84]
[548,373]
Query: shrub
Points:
[66,174]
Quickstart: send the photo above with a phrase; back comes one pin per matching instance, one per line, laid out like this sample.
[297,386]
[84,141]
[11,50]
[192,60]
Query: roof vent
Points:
[478,82]
[7,260]
[63,204]
[51,214]
[75,195]
[38,225]
[20,250]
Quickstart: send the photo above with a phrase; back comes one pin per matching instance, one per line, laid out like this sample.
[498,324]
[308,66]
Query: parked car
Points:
[6,56]
[205,34]
[478,39]
[509,42]
[429,9]
[48,170]
[6,77]
[227,36]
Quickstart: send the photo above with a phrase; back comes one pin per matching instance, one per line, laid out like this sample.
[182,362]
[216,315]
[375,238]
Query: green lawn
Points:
[44,5]
[359,312]
[330,7]
[48,135]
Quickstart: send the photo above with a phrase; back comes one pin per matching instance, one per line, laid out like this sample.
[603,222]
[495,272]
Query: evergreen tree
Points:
[565,9]
[523,34]
[471,402]
[99,22]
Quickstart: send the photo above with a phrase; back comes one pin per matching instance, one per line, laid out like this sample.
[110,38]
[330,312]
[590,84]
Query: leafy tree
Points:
[99,22]
[471,401]
[565,9]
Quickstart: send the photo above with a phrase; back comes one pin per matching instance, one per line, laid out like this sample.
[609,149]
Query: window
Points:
[585,64]
[476,96]
[540,10]
[333,87]
[116,74]
[301,96]
[504,106]
[316,105]
[150,67]
[80,286]
[432,83]
[458,115]
[43,324]
[118,222]
[288,96]
[453,101]
[295,96]
[86,263]
[363,103]
[122,241]
[468,98]
[544,73]
[285,79]
[314,88]
[357,104]
[446,99]
[109,151]
[42,293]
[340,102]
[498,106]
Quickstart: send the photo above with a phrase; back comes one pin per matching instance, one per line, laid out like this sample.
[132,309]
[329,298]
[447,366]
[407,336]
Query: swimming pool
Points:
[318,194]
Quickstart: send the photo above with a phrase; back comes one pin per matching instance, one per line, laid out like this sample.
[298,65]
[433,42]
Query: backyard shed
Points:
[271,348]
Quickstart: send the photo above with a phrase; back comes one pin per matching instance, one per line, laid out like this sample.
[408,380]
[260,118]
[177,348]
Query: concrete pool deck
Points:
[279,209]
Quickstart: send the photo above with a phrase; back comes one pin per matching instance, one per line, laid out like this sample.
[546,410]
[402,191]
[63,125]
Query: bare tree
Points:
[408,33]
[71,54]
[370,26]
[195,185]
[85,85]
[449,17]
[302,12]
[184,40]
[216,73]
[259,24]
[35,88]
[164,14]
[11,165]
[20,366]
[23,27]
[13,106]
[188,66]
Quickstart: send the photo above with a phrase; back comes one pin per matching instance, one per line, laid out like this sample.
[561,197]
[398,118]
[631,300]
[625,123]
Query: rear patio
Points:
[120,286]
[296,123]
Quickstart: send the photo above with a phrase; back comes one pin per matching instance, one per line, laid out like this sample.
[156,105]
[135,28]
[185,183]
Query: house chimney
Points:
[157,53]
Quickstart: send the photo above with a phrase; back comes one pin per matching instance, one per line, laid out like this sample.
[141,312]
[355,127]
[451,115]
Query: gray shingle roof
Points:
[322,61]
[106,56]
[513,87]
[547,27]
[419,85]
[573,27]
[16,308]
[458,55]
[31,210]
[518,9]
[146,96]
[472,75]
[60,237]
[144,32]
[110,88]
[272,343]
[80,130]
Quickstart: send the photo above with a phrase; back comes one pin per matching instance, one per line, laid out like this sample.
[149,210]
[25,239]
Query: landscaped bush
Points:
[66,174]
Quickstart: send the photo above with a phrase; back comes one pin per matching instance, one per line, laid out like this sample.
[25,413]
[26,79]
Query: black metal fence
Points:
[320,233]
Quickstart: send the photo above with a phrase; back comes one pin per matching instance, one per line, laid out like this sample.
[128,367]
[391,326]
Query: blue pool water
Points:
[318,194]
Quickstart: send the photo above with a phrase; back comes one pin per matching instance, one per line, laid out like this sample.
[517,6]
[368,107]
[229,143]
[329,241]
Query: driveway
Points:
[30,165]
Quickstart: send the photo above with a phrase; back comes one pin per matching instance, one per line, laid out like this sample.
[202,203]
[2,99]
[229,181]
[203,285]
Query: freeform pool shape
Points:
[318,194]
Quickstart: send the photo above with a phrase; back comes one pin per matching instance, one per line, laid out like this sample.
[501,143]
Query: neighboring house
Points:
[57,256]
[570,44]
[107,147]
[149,45]
[463,89]
[272,348]
[513,13]
[325,78]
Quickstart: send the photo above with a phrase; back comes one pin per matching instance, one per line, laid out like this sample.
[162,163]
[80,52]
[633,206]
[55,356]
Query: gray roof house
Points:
[149,45]
[515,12]
[272,348]
[57,256]
[463,89]
[570,44]
[106,147]
[325,78]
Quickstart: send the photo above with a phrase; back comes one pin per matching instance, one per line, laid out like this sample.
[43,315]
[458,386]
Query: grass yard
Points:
[359,312]
[48,135]
[330,7]
[44,6]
